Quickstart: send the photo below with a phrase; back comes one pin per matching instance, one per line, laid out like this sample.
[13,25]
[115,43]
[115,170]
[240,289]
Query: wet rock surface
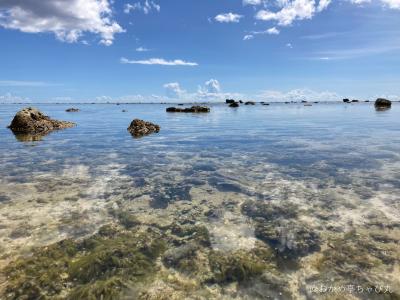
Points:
[383,103]
[139,128]
[32,121]
[234,104]
[193,109]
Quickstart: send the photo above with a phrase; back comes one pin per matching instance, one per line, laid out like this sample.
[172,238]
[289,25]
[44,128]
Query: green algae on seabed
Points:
[92,267]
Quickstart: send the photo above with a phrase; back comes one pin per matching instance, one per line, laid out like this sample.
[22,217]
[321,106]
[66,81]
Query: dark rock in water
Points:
[229,101]
[366,101]
[181,257]
[291,239]
[250,103]
[355,101]
[72,110]
[139,128]
[124,110]
[265,104]
[303,101]
[346,100]
[240,101]
[166,194]
[193,109]
[32,121]
[235,104]
[316,102]
[383,103]
[180,104]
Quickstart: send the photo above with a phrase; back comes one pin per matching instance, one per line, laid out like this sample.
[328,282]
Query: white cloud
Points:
[289,45]
[290,12]
[323,4]
[159,61]
[146,7]
[394,4]
[248,37]
[252,2]
[297,95]
[10,98]
[142,49]
[174,90]
[69,20]
[228,18]
[272,30]
[212,86]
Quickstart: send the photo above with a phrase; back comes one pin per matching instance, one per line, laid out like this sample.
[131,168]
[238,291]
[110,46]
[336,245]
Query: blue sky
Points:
[175,50]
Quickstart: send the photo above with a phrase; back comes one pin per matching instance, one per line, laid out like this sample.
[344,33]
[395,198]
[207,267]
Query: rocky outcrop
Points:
[250,103]
[72,110]
[139,128]
[234,104]
[32,121]
[355,101]
[346,100]
[383,103]
[193,109]
[229,101]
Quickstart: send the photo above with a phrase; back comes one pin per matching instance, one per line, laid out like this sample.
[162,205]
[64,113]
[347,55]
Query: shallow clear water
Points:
[334,168]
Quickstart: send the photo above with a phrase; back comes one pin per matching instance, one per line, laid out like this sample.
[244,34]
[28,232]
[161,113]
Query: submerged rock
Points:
[234,104]
[383,103]
[346,100]
[250,103]
[279,227]
[139,128]
[72,110]
[193,109]
[229,101]
[32,121]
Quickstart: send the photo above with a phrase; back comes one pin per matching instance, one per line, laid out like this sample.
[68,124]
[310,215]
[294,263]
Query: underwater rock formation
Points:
[234,104]
[250,103]
[139,128]
[193,109]
[32,121]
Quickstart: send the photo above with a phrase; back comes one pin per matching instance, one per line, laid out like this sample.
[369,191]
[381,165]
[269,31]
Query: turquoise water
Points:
[328,174]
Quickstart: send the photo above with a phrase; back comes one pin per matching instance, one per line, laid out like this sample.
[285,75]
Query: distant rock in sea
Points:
[355,101]
[234,104]
[72,110]
[229,101]
[32,121]
[382,103]
[139,128]
[346,100]
[250,103]
[193,109]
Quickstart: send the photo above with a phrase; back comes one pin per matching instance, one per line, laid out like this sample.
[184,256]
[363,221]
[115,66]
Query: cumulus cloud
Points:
[248,37]
[212,86]
[297,95]
[69,20]
[159,61]
[146,7]
[228,18]
[174,90]
[289,12]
